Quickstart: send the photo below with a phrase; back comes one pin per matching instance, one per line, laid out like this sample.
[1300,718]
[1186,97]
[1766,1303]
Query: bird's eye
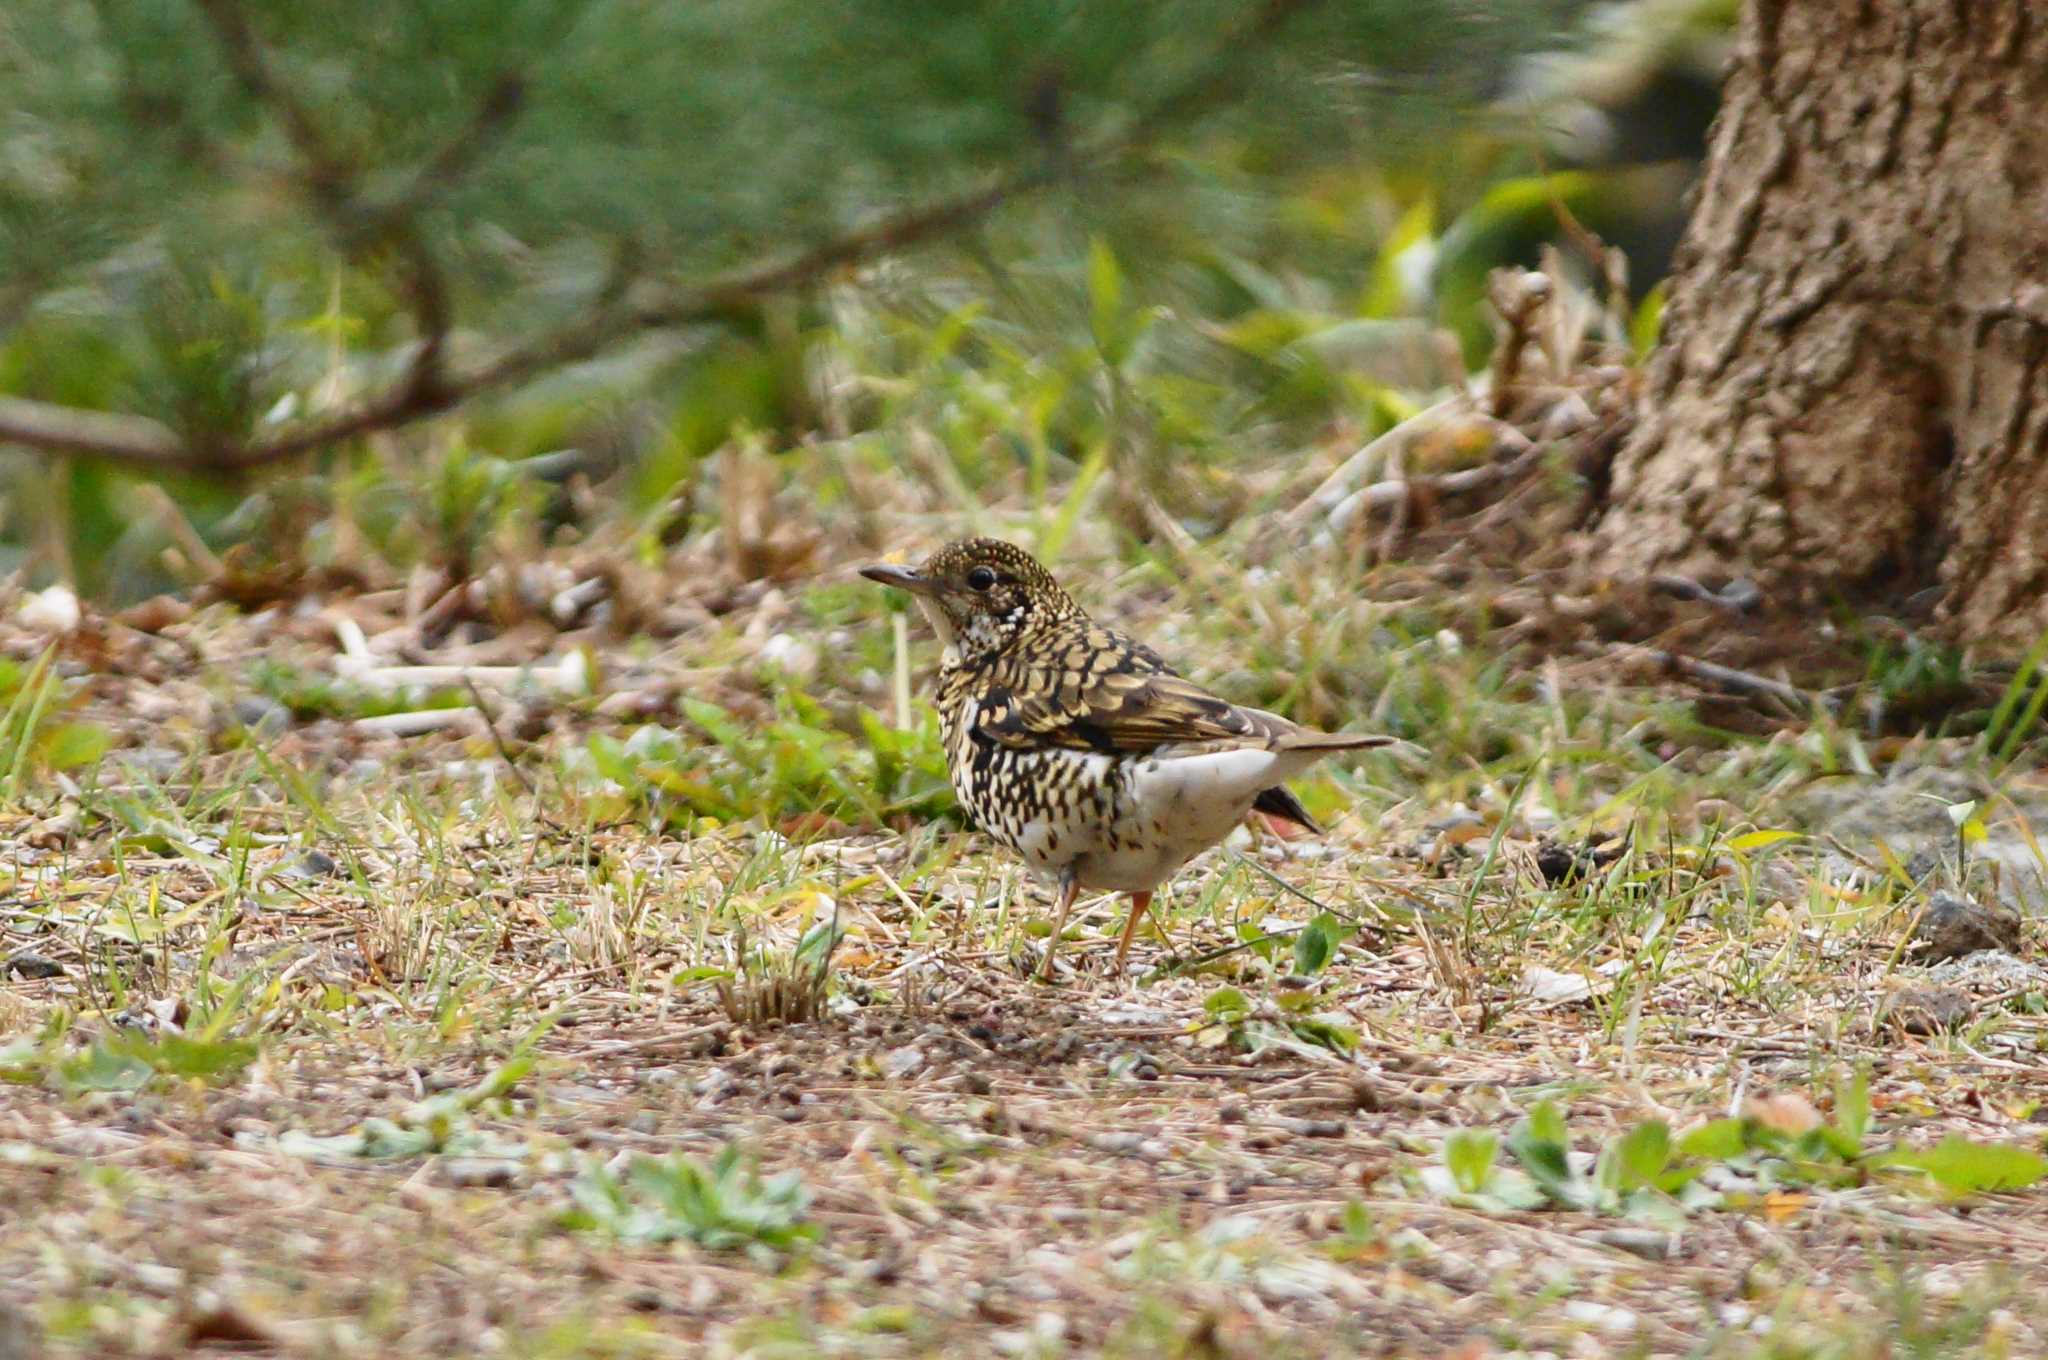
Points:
[981,578]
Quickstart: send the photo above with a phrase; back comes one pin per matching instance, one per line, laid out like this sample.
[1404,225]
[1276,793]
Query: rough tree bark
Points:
[1851,397]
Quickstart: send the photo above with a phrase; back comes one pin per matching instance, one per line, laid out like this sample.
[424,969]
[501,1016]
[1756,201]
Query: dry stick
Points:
[1338,487]
[1174,966]
[427,388]
[1519,298]
[180,531]
[1397,522]
[899,637]
[1742,682]
[1612,263]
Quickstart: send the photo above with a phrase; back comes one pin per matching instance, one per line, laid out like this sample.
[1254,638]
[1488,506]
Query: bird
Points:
[1077,746]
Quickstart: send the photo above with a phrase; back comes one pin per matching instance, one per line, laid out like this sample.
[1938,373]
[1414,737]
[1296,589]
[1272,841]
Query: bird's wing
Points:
[1107,693]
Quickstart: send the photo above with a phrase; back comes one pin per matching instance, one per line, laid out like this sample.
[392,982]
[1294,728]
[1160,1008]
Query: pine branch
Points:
[333,186]
[69,429]
[326,173]
[501,104]
[429,387]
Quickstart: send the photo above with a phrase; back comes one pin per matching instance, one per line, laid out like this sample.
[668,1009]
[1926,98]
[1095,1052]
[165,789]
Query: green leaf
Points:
[1546,1122]
[725,1206]
[1542,1145]
[1106,302]
[1325,1031]
[1386,294]
[74,746]
[1646,327]
[104,1067]
[1638,1158]
[715,721]
[1757,840]
[1054,539]
[1227,1004]
[1963,1167]
[179,1055]
[1852,1106]
[1718,1140]
[1316,943]
[1469,1156]
[817,945]
[1827,1144]
[2034,664]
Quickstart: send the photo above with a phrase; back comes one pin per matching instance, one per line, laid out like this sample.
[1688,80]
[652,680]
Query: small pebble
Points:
[28,965]
[1651,1246]
[1930,1010]
[260,714]
[1953,926]
[903,1062]
[312,864]
[479,1172]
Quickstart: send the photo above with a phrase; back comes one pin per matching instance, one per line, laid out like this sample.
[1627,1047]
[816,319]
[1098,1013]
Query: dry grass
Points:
[255,1105]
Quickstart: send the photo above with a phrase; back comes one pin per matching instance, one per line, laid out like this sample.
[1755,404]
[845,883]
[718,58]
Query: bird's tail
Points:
[1308,739]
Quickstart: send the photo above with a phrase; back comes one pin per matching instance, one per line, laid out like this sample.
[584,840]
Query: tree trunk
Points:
[1851,396]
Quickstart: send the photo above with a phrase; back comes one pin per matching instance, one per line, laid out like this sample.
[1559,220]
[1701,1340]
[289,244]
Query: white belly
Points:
[1173,807]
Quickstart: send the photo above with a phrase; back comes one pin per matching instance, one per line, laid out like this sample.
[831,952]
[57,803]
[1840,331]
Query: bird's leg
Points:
[1069,890]
[1141,902]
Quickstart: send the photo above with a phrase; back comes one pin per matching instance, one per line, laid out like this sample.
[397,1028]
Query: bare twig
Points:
[1520,296]
[1396,492]
[69,429]
[1727,677]
[1340,485]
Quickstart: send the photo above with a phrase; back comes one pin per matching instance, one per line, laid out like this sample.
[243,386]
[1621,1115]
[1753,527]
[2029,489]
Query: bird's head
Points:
[981,595]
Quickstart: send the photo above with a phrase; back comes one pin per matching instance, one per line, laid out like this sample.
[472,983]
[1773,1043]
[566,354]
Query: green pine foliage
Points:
[183,182]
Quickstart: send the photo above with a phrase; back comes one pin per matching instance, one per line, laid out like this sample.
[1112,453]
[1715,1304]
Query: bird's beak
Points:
[903,578]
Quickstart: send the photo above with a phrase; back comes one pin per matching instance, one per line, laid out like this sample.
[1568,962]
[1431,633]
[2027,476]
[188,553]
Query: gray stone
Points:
[1953,926]
[1930,1010]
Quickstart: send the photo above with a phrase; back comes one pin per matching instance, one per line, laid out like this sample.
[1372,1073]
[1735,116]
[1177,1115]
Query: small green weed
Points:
[1648,1174]
[125,1061]
[439,1124]
[799,763]
[725,1206]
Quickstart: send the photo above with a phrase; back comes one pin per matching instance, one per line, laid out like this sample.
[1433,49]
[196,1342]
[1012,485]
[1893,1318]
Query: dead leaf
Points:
[1786,1112]
[155,614]
[1549,987]
[1780,1205]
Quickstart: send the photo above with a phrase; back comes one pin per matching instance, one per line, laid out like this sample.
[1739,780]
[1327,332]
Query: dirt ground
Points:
[262,967]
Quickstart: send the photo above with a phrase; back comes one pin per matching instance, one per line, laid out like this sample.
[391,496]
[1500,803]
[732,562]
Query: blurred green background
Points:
[1244,231]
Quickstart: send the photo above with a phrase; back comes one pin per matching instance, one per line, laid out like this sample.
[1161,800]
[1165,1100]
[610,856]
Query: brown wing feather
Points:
[1102,691]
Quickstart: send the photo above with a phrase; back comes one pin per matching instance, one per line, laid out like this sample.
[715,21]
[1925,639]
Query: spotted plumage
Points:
[1078,747]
